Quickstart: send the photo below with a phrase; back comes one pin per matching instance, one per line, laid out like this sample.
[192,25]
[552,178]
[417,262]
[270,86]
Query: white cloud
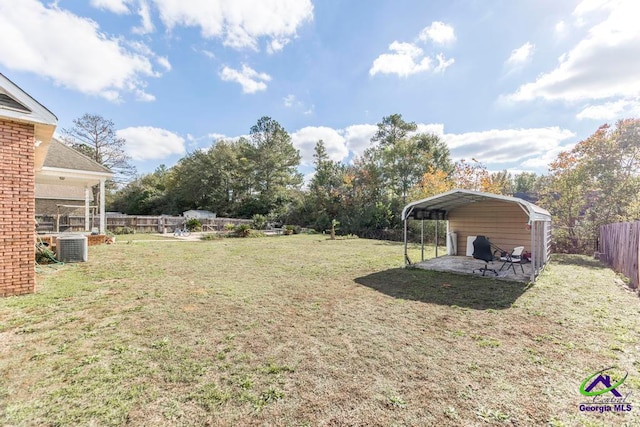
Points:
[561,28]
[358,137]
[439,33]
[306,138]
[151,143]
[436,128]
[521,55]
[443,63]
[240,23]
[277,45]
[604,64]
[71,51]
[290,101]
[146,25]
[250,80]
[115,6]
[405,60]
[144,96]
[533,147]
[163,61]
[208,54]
[611,111]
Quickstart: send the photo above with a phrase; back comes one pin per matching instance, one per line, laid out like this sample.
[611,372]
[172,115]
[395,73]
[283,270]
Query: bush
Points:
[292,229]
[259,222]
[193,224]
[210,236]
[242,230]
[229,227]
[124,230]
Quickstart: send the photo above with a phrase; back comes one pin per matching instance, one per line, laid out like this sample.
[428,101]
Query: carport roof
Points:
[439,205]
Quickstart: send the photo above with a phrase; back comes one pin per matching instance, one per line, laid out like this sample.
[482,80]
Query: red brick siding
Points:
[17,208]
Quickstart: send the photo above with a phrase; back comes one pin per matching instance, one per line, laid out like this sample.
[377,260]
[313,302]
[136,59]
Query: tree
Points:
[274,159]
[392,129]
[325,188]
[434,181]
[595,183]
[95,137]
[474,176]
[146,195]
[525,182]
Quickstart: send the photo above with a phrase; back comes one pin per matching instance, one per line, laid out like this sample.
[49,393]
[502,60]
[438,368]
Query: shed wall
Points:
[17,208]
[505,224]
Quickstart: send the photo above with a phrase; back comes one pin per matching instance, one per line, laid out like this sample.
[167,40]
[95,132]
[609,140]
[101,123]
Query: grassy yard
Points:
[300,330]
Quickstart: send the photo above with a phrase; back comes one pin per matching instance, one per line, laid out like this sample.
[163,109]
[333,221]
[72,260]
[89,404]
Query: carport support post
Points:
[436,237]
[422,240]
[406,253]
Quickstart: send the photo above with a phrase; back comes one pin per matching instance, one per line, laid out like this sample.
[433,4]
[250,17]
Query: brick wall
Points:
[17,208]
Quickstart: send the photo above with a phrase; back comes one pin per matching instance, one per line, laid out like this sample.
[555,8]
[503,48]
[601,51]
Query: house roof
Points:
[439,205]
[18,106]
[64,157]
[63,163]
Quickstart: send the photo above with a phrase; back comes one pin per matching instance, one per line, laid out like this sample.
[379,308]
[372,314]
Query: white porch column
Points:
[87,217]
[103,215]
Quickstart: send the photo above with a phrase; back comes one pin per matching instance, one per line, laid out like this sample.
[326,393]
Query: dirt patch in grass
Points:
[300,330]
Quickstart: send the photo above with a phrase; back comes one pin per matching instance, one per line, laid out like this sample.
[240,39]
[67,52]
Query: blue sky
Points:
[508,83]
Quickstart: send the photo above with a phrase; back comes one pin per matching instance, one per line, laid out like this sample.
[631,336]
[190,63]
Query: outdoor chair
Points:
[482,251]
[515,257]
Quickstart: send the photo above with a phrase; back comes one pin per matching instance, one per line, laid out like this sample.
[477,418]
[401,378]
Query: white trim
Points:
[73,173]
[38,114]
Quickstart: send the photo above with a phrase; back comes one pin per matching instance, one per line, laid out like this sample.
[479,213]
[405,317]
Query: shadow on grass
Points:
[435,287]
[578,260]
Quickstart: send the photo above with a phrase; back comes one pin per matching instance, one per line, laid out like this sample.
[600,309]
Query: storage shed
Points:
[507,221]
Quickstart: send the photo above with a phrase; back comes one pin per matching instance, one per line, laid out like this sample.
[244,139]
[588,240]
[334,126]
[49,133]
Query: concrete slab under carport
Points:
[466,265]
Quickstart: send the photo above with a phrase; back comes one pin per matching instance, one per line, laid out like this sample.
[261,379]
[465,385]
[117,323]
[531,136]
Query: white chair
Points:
[515,257]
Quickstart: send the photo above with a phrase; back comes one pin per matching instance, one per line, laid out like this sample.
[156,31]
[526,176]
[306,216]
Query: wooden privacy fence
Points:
[137,223]
[619,248]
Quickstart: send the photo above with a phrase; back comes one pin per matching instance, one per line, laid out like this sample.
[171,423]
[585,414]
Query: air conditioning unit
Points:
[72,248]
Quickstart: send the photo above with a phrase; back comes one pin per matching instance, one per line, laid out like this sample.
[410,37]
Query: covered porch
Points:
[65,170]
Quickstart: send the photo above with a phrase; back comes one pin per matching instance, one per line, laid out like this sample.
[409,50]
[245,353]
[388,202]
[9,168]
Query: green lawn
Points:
[300,330]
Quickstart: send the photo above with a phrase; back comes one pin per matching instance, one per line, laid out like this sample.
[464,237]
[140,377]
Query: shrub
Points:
[124,230]
[242,230]
[292,229]
[210,236]
[259,222]
[193,224]
[229,227]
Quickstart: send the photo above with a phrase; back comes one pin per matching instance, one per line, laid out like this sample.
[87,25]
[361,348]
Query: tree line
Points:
[596,182]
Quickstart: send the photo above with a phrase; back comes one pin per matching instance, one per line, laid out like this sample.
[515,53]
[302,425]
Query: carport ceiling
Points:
[437,207]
